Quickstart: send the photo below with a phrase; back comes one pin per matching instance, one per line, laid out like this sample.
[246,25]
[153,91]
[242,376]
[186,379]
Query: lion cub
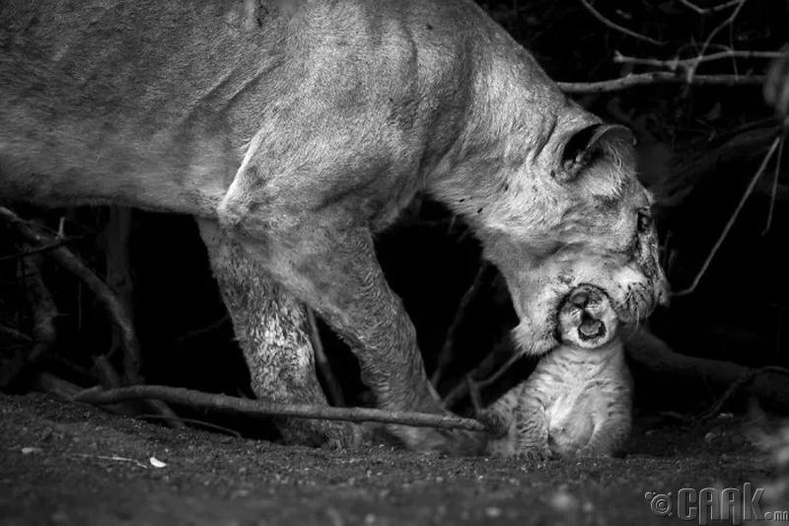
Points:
[577,402]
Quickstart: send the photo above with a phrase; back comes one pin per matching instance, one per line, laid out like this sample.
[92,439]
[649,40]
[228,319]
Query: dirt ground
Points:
[63,463]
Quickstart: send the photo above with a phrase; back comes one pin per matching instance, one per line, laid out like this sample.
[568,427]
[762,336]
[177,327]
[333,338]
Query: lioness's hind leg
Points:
[272,329]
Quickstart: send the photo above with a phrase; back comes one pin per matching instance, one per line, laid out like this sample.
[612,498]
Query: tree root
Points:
[768,385]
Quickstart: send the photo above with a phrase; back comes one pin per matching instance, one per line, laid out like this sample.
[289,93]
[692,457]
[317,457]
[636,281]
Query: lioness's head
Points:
[574,213]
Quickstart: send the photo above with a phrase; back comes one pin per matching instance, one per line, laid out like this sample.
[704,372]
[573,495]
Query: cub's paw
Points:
[496,425]
[534,455]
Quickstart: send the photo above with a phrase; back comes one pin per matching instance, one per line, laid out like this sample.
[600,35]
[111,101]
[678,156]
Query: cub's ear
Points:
[588,144]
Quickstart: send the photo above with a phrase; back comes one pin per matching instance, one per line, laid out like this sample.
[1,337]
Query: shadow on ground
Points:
[64,463]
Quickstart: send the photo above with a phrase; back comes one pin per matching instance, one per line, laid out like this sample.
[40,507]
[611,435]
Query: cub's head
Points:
[587,320]
[574,213]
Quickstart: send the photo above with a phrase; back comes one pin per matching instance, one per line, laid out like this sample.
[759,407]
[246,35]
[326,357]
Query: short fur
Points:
[301,128]
[578,400]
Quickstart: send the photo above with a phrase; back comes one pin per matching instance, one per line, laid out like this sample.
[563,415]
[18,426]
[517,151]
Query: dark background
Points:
[700,145]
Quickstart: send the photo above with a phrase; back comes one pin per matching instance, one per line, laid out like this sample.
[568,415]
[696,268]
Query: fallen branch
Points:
[744,380]
[217,402]
[613,25]
[649,351]
[659,77]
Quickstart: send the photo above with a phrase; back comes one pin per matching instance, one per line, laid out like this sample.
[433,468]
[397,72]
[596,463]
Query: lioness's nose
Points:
[663,292]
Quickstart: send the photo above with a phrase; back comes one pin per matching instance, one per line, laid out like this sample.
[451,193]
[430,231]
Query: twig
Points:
[43,307]
[15,334]
[732,219]
[444,358]
[745,379]
[723,24]
[675,63]
[774,189]
[707,10]
[219,402]
[39,250]
[617,27]
[114,458]
[657,77]
[336,397]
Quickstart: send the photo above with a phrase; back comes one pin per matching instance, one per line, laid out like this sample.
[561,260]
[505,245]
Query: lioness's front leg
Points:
[332,267]
[271,327]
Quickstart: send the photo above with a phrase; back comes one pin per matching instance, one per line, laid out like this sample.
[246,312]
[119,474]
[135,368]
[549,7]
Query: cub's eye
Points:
[643,221]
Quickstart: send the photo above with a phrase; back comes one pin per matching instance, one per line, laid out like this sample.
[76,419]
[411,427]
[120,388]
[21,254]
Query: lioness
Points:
[578,400]
[296,130]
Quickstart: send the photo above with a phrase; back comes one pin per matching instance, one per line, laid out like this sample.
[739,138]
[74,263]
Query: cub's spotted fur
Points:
[578,400]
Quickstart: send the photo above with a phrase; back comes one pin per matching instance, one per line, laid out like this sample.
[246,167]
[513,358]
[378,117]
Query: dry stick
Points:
[659,77]
[104,295]
[723,24]
[15,334]
[745,379]
[206,401]
[732,219]
[44,309]
[336,397]
[713,9]
[774,189]
[444,358]
[692,62]
[616,26]
[39,250]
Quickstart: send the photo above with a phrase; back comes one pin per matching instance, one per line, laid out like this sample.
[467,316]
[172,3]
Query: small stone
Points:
[493,512]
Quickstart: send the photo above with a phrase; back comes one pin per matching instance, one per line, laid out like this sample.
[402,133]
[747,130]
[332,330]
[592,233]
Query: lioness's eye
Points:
[644,221]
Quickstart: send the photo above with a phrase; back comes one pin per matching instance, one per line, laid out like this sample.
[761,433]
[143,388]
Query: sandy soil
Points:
[63,463]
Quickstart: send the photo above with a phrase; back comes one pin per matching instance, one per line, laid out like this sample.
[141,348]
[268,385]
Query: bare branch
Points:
[206,401]
[675,63]
[733,218]
[44,310]
[722,26]
[104,295]
[774,188]
[708,10]
[617,27]
[39,250]
[445,355]
[66,259]
[658,77]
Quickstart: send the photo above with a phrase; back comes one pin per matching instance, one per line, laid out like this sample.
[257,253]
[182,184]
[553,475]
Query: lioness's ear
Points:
[582,148]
